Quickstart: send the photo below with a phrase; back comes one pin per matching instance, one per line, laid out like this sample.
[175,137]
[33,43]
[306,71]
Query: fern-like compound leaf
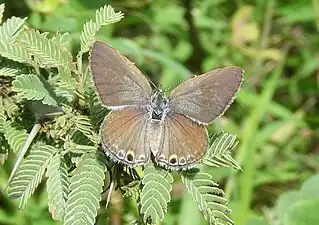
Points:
[47,51]
[29,86]
[208,197]
[3,119]
[155,194]
[90,29]
[219,153]
[97,112]
[3,150]
[2,6]
[65,91]
[57,186]
[70,146]
[30,173]
[15,135]
[63,40]
[65,75]
[10,29]
[14,52]
[83,124]
[8,72]
[85,190]
[104,16]
[35,129]
[10,107]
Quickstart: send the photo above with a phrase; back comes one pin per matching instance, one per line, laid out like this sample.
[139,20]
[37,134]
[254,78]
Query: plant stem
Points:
[264,39]
[199,54]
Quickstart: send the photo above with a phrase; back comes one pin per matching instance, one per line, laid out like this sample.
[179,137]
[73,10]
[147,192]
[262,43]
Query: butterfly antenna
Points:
[152,83]
[178,82]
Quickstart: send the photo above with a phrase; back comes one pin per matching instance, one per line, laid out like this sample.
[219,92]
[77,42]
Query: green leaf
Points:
[57,186]
[30,87]
[2,6]
[65,74]
[30,173]
[309,189]
[85,190]
[3,119]
[47,51]
[65,91]
[24,149]
[284,202]
[83,124]
[3,150]
[10,29]
[10,107]
[63,40]
[155,194]
[219,153]
[14,52]
[104,16]
[207,195]
[8,72]
[70,146]
[97,112]
[15,135]
[303,213]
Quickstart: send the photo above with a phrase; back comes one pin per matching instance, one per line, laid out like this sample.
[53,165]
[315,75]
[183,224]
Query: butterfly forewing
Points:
[205,97]
[118,82]
[183,142]
[124,136]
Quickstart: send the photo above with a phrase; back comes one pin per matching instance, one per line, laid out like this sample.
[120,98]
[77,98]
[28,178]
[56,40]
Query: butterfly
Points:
[144,124]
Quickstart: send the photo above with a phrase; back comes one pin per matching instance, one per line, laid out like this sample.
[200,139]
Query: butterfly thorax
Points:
[158,106]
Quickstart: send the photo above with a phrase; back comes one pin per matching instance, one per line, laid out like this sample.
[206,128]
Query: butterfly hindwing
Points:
[125,136]
[183,142]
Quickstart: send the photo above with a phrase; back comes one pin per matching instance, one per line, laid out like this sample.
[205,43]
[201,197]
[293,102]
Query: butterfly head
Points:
[158,106]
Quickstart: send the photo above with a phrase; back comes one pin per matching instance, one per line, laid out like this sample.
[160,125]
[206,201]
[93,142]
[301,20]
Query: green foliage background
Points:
[275,114]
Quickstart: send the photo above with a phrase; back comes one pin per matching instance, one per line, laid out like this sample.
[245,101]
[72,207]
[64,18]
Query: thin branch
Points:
[199,54]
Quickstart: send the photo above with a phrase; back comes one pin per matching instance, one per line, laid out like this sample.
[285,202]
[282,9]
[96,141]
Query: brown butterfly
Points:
[143,122]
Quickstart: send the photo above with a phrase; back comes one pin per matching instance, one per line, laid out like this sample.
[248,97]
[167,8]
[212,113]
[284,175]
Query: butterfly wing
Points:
[118,82]
[183,142]
[205,97]
[124,136]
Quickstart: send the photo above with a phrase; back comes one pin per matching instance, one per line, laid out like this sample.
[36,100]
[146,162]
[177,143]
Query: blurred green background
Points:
[275,114]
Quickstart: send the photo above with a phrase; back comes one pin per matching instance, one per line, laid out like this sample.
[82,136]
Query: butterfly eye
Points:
[130,156]
[173,159]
